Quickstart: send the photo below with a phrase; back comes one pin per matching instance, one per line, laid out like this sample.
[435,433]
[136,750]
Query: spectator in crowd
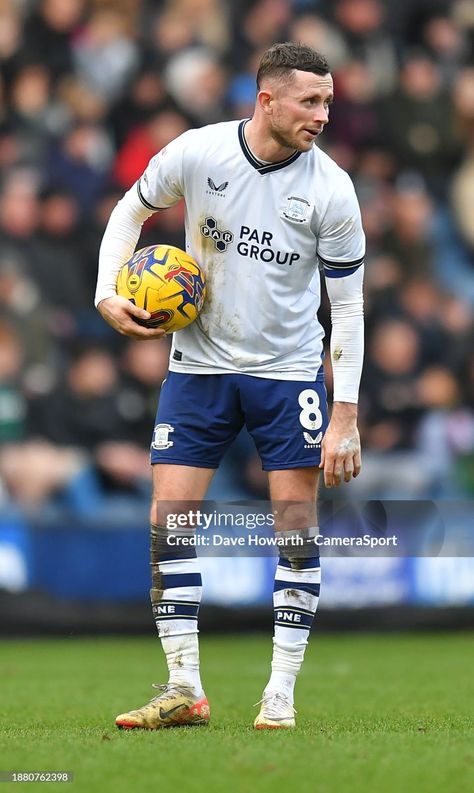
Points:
[391,377]
[82,410]
[144,368]
[256,26]
[445,435]
[447,43]
[79,160]
[19,218]
[416,122]
[91,419]
[143,141]
[366,37]
[32,470]
[49,31]
[197,82]
[105,54]
[21,304]
[13,407]
[10,41]
[60,272]
[186,23]
[408,238]
[144,99]
[318,33]
[354,122]
[463,181]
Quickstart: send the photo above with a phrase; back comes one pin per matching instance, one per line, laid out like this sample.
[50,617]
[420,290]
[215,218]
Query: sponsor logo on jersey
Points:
[216,189]
[161,438]
[257,244]
[221,239]
[312,443]
[297,209]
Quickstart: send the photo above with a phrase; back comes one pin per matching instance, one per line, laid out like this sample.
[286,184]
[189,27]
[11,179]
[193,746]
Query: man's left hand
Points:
[340,451]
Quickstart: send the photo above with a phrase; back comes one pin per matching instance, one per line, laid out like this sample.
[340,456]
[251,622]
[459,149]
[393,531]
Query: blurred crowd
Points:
[90,90]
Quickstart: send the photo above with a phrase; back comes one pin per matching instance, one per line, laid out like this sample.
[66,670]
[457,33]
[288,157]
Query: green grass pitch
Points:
[376,714]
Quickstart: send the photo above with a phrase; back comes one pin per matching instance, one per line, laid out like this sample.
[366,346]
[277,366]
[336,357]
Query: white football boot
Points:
[276,712]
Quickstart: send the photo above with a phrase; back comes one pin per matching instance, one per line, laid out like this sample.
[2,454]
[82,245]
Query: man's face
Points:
[300,109]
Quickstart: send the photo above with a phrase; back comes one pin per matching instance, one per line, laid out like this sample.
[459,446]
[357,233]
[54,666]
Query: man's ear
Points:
[265,100]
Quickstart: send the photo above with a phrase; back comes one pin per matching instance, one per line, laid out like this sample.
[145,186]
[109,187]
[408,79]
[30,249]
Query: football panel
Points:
[165,281]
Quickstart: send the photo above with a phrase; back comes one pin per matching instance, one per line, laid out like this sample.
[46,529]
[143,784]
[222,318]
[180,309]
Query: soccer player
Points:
[264,205]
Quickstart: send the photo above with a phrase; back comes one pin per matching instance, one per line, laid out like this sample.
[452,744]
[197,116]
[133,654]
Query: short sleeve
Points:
[341,240]
[161,184]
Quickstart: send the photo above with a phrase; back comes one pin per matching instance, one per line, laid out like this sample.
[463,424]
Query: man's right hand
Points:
[122,315]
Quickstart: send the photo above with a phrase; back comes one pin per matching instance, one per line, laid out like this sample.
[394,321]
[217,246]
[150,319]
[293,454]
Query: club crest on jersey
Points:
[161,435]
[312,443]
[214,188]
[297,209]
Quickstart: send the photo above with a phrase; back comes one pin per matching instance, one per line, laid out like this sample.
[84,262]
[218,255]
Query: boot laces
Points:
[167,690]
[276,705]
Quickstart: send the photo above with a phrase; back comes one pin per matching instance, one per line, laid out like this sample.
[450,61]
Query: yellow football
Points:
[165,281]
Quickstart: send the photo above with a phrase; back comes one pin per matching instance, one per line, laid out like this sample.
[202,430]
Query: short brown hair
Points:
[281,59]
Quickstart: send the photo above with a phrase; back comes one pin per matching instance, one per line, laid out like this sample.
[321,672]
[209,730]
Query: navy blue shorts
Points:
[199,416]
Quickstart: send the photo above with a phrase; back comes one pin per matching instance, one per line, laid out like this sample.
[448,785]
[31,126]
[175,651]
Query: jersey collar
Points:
[262,167]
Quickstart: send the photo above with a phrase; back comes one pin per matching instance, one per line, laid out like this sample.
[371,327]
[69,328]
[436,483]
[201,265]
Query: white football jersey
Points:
[257,230]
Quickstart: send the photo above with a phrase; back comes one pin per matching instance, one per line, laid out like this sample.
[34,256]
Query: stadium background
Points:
[89,91]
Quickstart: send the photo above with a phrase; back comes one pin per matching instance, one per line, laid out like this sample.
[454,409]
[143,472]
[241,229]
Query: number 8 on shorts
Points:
[311,417]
